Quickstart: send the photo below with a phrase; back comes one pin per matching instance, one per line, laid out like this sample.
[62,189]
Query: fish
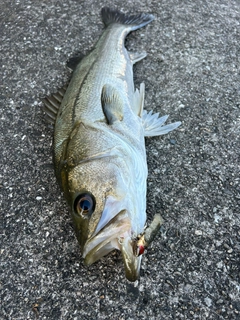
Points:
[100,126]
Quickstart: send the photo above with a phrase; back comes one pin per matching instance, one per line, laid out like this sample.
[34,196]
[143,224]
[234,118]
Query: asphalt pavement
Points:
[192,269]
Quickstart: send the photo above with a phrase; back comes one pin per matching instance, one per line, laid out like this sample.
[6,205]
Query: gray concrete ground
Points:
[191,73]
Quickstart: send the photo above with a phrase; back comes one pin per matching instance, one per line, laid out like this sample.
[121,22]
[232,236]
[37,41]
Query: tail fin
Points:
[153,125]
[110,16]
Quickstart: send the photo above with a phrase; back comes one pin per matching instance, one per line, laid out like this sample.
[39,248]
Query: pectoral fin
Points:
[112,104]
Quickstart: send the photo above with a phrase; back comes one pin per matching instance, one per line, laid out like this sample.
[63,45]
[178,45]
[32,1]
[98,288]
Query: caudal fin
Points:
[110,16]
[154,126]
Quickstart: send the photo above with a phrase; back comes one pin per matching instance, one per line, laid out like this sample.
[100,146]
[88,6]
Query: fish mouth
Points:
[115,235]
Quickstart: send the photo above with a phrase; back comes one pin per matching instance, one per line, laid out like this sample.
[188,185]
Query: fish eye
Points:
[84,204]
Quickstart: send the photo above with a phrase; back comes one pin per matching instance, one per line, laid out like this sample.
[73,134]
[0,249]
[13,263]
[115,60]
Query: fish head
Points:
[102,212]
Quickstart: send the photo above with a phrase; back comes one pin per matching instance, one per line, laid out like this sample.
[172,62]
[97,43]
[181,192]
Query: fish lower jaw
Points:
[132,261]
[99,251]
[122,242]
[106,240]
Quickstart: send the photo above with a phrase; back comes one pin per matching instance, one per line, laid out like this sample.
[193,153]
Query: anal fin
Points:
[137,56]
[112,104]
[138,100]
[52,104]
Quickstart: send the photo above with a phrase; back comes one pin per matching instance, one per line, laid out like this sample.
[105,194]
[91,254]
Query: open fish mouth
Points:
[115,235]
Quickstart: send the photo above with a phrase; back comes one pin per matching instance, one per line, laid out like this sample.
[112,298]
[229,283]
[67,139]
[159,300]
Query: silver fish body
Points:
[99,148]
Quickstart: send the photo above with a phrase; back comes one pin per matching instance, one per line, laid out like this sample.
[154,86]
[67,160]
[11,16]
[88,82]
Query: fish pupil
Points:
[85,205]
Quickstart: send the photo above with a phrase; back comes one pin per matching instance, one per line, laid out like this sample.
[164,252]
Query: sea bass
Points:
[99,148]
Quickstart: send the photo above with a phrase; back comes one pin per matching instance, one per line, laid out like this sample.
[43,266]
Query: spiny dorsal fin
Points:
[112,104]
[52,104]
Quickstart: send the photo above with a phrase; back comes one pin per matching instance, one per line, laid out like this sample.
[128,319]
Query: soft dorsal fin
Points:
[154,126]
[74,61]
[112,104]
[52,104]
